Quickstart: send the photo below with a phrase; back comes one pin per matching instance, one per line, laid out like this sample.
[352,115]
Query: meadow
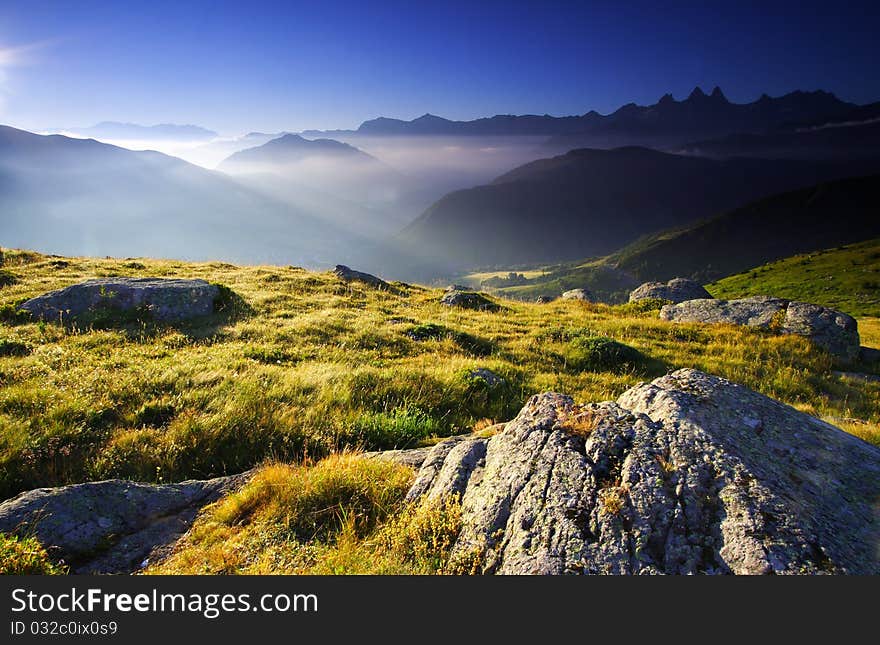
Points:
[298,371]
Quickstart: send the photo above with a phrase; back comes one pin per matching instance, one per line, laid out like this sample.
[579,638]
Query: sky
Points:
[266,66]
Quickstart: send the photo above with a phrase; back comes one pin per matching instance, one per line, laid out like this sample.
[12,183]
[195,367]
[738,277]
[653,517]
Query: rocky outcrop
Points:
[578,294]
[111,526]
[688,474]
[161,299]
[350,275]
[832,330]
[468,300]
[676,290]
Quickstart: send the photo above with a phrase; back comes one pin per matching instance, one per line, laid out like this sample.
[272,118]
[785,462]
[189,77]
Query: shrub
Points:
[155,414]
[12,315]
[13,348]
[643,306]
[7,278]
[601,354]
[432,331]
[25,557]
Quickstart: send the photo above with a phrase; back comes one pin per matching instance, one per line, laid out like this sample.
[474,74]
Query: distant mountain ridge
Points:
[292,148]
[699,114]
[134,131]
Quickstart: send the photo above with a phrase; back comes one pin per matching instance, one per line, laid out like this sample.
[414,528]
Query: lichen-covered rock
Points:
[348,275]
[688,474]
[486,375]
[468,300]
[832,330]
[676,290]
[111,526]
[163,299]
[578,294]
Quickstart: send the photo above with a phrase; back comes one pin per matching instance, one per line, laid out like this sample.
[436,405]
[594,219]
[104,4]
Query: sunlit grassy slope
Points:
[845,278]
[299,370]
[301,364]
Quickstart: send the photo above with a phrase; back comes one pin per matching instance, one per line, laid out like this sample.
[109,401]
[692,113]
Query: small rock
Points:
[487,375]
[543,300]
[163,299]
[578,294]
[348,275]
[457,287]
[676,290]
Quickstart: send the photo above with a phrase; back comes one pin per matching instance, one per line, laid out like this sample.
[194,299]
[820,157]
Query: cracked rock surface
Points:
[111,526]
[687,474]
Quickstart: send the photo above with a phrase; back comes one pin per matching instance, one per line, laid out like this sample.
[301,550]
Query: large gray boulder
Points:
[676,290]
[350,275]
[688,474]
[578,294]
[832,330]
[163,299]
[111,526]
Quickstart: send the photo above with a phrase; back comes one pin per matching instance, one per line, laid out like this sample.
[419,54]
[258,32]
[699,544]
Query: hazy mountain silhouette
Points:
[338,181]
[292,148]
[592,202]
[211,154]
[79,196]
[135,132]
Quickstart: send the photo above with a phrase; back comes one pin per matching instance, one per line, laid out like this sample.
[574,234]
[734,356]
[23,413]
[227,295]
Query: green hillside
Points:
[299,366]
[845,278]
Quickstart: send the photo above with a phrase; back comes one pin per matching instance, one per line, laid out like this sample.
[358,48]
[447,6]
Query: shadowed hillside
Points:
[592,202]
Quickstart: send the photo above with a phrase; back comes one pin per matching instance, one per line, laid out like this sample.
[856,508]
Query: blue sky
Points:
[257,65]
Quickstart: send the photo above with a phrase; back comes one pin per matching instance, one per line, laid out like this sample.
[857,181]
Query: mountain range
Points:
[134,132]
[316,201]
[698,116]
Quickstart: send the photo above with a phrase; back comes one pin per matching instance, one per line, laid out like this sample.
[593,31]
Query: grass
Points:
[298,370]
[25,556]
[300,365]
[845,278]
[344,514]
[598,275]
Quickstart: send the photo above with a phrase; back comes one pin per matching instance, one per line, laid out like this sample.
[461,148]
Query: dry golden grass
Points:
[303,364]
